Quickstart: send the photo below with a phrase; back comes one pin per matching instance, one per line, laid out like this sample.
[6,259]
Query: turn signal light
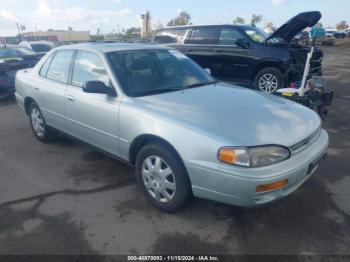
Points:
[273,186]
[227,155]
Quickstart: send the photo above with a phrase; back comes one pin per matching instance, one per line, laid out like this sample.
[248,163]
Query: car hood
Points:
[236,115]
[295,25]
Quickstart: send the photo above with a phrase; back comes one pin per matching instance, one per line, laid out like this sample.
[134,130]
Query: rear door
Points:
[92,117]
[49,89]
[201,44]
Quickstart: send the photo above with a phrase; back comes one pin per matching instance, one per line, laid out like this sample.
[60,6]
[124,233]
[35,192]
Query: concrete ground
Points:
[63,198]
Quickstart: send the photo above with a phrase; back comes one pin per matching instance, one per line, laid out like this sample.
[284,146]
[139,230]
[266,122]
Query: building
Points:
[57,35]
[145,22]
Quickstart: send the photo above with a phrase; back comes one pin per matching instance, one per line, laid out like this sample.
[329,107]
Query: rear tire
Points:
[162,177]
[41,131]
[269,80]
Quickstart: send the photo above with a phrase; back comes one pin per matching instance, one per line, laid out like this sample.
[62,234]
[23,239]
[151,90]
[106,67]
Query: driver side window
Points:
[229,36]
[89,67]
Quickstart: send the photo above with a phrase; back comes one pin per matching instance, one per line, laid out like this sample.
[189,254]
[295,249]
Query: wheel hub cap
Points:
[37,122]
[158,179]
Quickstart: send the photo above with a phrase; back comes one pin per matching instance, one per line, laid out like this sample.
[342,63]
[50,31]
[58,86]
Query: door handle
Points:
[36,88]
[70,98]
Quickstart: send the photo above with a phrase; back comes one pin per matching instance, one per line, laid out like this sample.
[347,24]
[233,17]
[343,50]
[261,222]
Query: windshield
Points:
[256,34]
[145,72]
[41,47]
[15,52]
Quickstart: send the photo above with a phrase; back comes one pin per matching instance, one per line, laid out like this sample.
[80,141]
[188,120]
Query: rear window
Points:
[41,47]
[60,65]
[205,36]
[45,67]
[170,36]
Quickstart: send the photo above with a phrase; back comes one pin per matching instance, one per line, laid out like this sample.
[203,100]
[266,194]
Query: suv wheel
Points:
[162,177]
[42,132]
[269,80]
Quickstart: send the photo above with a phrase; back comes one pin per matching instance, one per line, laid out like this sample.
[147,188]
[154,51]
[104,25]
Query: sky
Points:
[110,15]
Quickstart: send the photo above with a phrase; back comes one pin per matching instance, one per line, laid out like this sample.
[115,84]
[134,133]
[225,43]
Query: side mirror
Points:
[208,70]
[97,87]
[244,43]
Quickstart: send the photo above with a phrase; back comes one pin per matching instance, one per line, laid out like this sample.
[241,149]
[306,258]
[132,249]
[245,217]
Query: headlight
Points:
[253,156]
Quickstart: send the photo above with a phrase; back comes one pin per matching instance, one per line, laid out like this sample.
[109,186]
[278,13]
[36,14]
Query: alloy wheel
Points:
[268,83]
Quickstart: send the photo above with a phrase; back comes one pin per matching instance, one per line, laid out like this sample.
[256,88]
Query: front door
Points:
[232,61]
[92,117]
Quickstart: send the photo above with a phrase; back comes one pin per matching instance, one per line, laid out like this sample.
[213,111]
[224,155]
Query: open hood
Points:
[295,25]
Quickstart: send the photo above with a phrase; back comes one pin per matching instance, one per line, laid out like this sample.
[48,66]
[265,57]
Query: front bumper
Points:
[237,186]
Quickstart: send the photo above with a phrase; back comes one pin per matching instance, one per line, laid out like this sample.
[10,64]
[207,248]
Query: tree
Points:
[183,18]
[342,25]
[256,19]
[239,20]
[270,28]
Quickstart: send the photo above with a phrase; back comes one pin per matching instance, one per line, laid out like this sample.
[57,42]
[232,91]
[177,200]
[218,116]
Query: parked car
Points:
[328,39]
[40,47]
[183,131]
[335,33]
[13,58]
[246,55]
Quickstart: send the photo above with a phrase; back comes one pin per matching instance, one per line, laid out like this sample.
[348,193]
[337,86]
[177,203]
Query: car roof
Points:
[110,47]
[37,42]
[10,46]
[204,26]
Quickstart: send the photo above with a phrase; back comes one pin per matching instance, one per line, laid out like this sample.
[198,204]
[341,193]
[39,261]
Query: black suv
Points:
[246,55]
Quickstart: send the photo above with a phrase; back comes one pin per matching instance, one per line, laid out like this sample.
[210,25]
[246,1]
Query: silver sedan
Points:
[185,133]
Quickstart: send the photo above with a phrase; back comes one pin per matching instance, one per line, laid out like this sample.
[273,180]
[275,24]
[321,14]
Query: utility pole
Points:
[19,33]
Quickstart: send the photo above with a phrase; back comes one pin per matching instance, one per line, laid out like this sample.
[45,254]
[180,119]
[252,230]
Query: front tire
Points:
[41,131]
[162,177]
[269,80]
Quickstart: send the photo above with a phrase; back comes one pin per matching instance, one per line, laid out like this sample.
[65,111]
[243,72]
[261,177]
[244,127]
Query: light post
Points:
[19,33]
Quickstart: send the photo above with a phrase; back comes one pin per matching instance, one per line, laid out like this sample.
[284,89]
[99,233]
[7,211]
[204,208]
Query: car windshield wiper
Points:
[165,90]
[157,91]
[201,84]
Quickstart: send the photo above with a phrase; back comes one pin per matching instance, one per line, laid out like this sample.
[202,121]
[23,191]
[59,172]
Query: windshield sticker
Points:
[178,54]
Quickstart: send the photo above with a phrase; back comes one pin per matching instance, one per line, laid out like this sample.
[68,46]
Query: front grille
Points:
[303,143]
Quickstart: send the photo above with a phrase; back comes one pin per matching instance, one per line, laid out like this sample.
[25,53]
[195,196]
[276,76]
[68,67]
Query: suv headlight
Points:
[253,156]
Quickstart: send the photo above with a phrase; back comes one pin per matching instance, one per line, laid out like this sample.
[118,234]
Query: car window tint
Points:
[59,67]
[41,47]
[205,36]
[15,52]
[170,36]
[89,67]
[45,66]
[229,36]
